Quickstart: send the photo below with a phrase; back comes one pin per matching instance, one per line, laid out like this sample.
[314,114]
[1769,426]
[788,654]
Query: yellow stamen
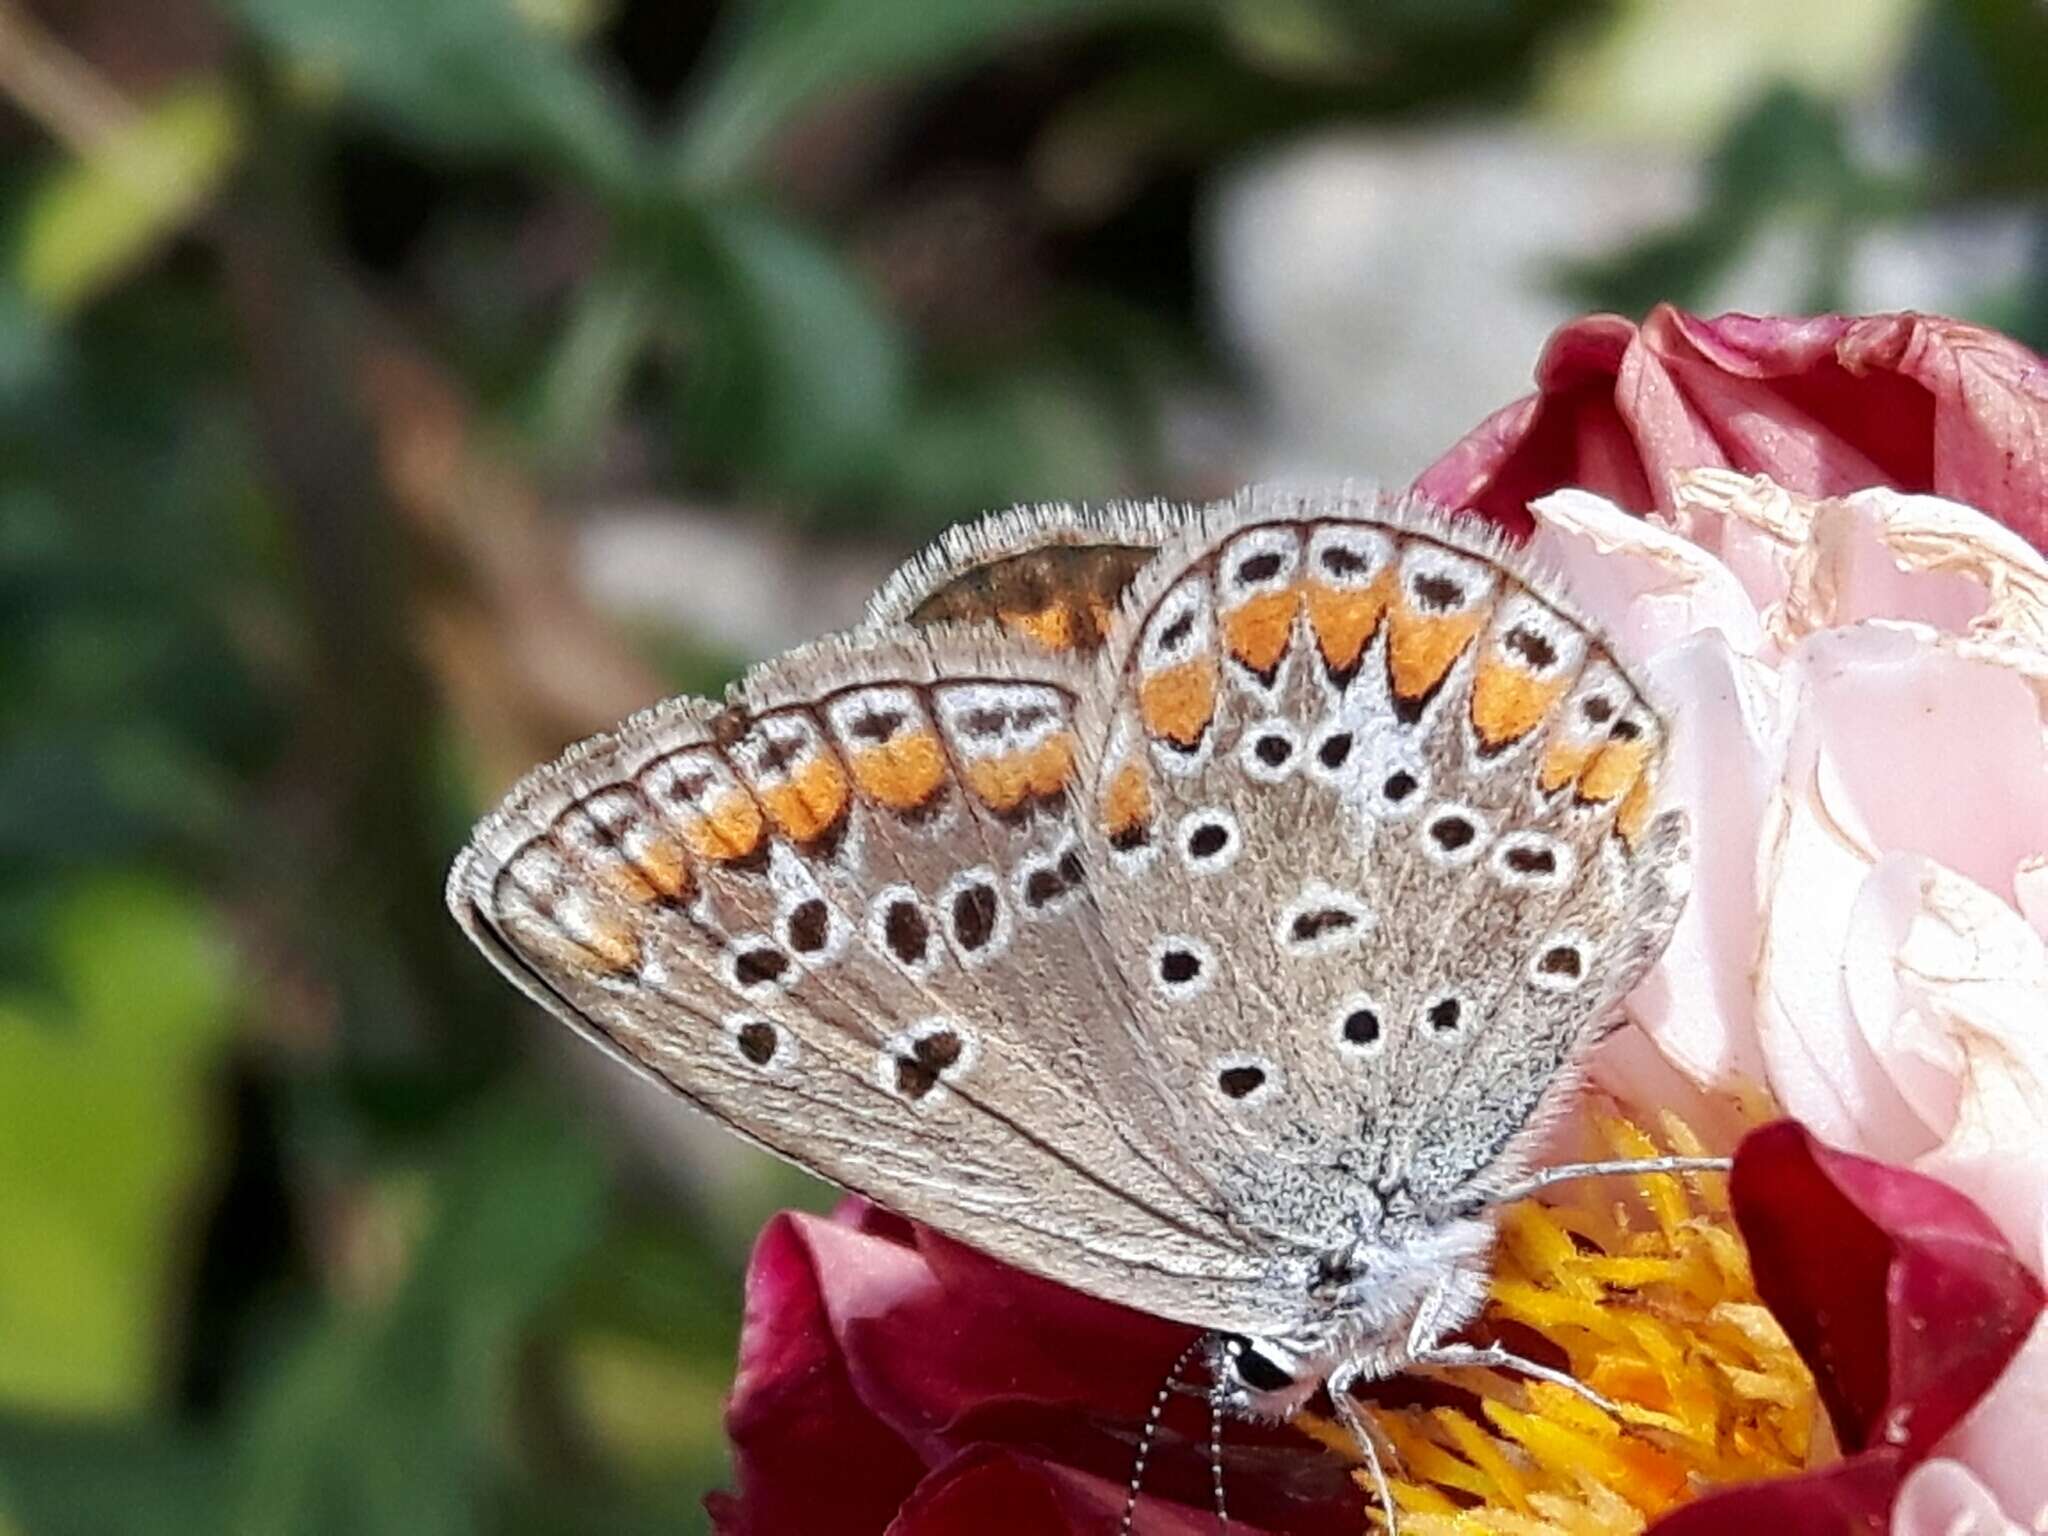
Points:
[1645,1295]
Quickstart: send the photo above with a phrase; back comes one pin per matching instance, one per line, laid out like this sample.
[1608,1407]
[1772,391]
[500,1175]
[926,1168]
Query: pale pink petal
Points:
[1753,525]
[1646,586]
[1849,571]
[2030,884]
[1925,750]
[1697,1002]
[1943,1498]
[1950,988]
[2004,1439]
[1820,1067]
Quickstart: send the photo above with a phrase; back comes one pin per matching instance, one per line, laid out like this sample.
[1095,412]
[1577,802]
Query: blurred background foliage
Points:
[393,390]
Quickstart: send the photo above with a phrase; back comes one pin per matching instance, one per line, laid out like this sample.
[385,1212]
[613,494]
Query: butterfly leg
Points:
[1506,1360]
[1342,1380]
[1446,1308]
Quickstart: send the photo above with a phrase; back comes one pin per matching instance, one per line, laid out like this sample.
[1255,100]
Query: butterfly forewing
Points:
[848,915]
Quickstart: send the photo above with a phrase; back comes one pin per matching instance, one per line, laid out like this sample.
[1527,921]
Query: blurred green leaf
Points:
[1787,157]
[394,1418]
[473,76]
[792,371]
[107,1134]
[95,218]
[782,54]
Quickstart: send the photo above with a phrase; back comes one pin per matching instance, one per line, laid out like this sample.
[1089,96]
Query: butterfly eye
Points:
[1254,1367]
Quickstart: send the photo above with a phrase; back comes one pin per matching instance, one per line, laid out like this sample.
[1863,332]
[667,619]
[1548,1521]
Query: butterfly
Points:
[1206,908]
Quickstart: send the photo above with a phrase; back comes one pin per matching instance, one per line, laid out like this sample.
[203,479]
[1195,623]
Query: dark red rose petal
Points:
[1824,404]
[808,1454]
[993,1492]
[1901,1297]
[1897,1291]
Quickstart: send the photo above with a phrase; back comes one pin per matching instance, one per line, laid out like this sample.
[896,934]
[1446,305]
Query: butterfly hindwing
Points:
[1372,811]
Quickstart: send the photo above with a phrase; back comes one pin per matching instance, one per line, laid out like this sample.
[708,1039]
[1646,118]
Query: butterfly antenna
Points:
[1151,1432]
[1216,1452]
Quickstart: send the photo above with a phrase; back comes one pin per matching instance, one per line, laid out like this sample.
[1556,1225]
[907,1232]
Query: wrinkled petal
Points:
[1888,709]
[1947,983]
[1824,405]
[1698,1001]
[1646,587]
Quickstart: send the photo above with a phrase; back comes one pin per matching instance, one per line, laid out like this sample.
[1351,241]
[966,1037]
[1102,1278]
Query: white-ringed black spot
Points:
[1207,840]
[1182,965]
[975,911]
[1241,1082]
[757,1040]
[1626,730]
[759,967]
[1273,751]
[1399,785]
[1437,592]
[905,930]
[1598,709]
[1531,647]
[1334,750]
[1562,960]
[1452,832]
[1176,632]
[1311,926]
[1444,1014]
[1259,568]
[809,926]
[916,1062]
[1344,562]
[1360,1027]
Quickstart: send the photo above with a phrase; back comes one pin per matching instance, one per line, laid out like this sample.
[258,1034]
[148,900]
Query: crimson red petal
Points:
[996,1492]
[1901,1297]
[808,1454]
[1897,1291]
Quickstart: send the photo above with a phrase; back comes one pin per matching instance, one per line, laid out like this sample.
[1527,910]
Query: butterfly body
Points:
[1203,908]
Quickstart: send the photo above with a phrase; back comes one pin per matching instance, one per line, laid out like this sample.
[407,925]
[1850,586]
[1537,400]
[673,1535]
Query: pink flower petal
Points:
[2001,1438]
[1943,1498]
[1698,1001]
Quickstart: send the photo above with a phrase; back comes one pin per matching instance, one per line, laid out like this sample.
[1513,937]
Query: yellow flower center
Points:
[1649,1301]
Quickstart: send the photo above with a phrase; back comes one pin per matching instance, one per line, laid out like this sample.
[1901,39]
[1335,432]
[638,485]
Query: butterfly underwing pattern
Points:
[1204,908]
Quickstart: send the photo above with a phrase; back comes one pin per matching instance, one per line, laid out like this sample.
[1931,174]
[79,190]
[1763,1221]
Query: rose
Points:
[1885,985]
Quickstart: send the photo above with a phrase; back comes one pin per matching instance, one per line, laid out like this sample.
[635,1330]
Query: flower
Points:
[1823,405]
[1860,676]
[1861,684]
